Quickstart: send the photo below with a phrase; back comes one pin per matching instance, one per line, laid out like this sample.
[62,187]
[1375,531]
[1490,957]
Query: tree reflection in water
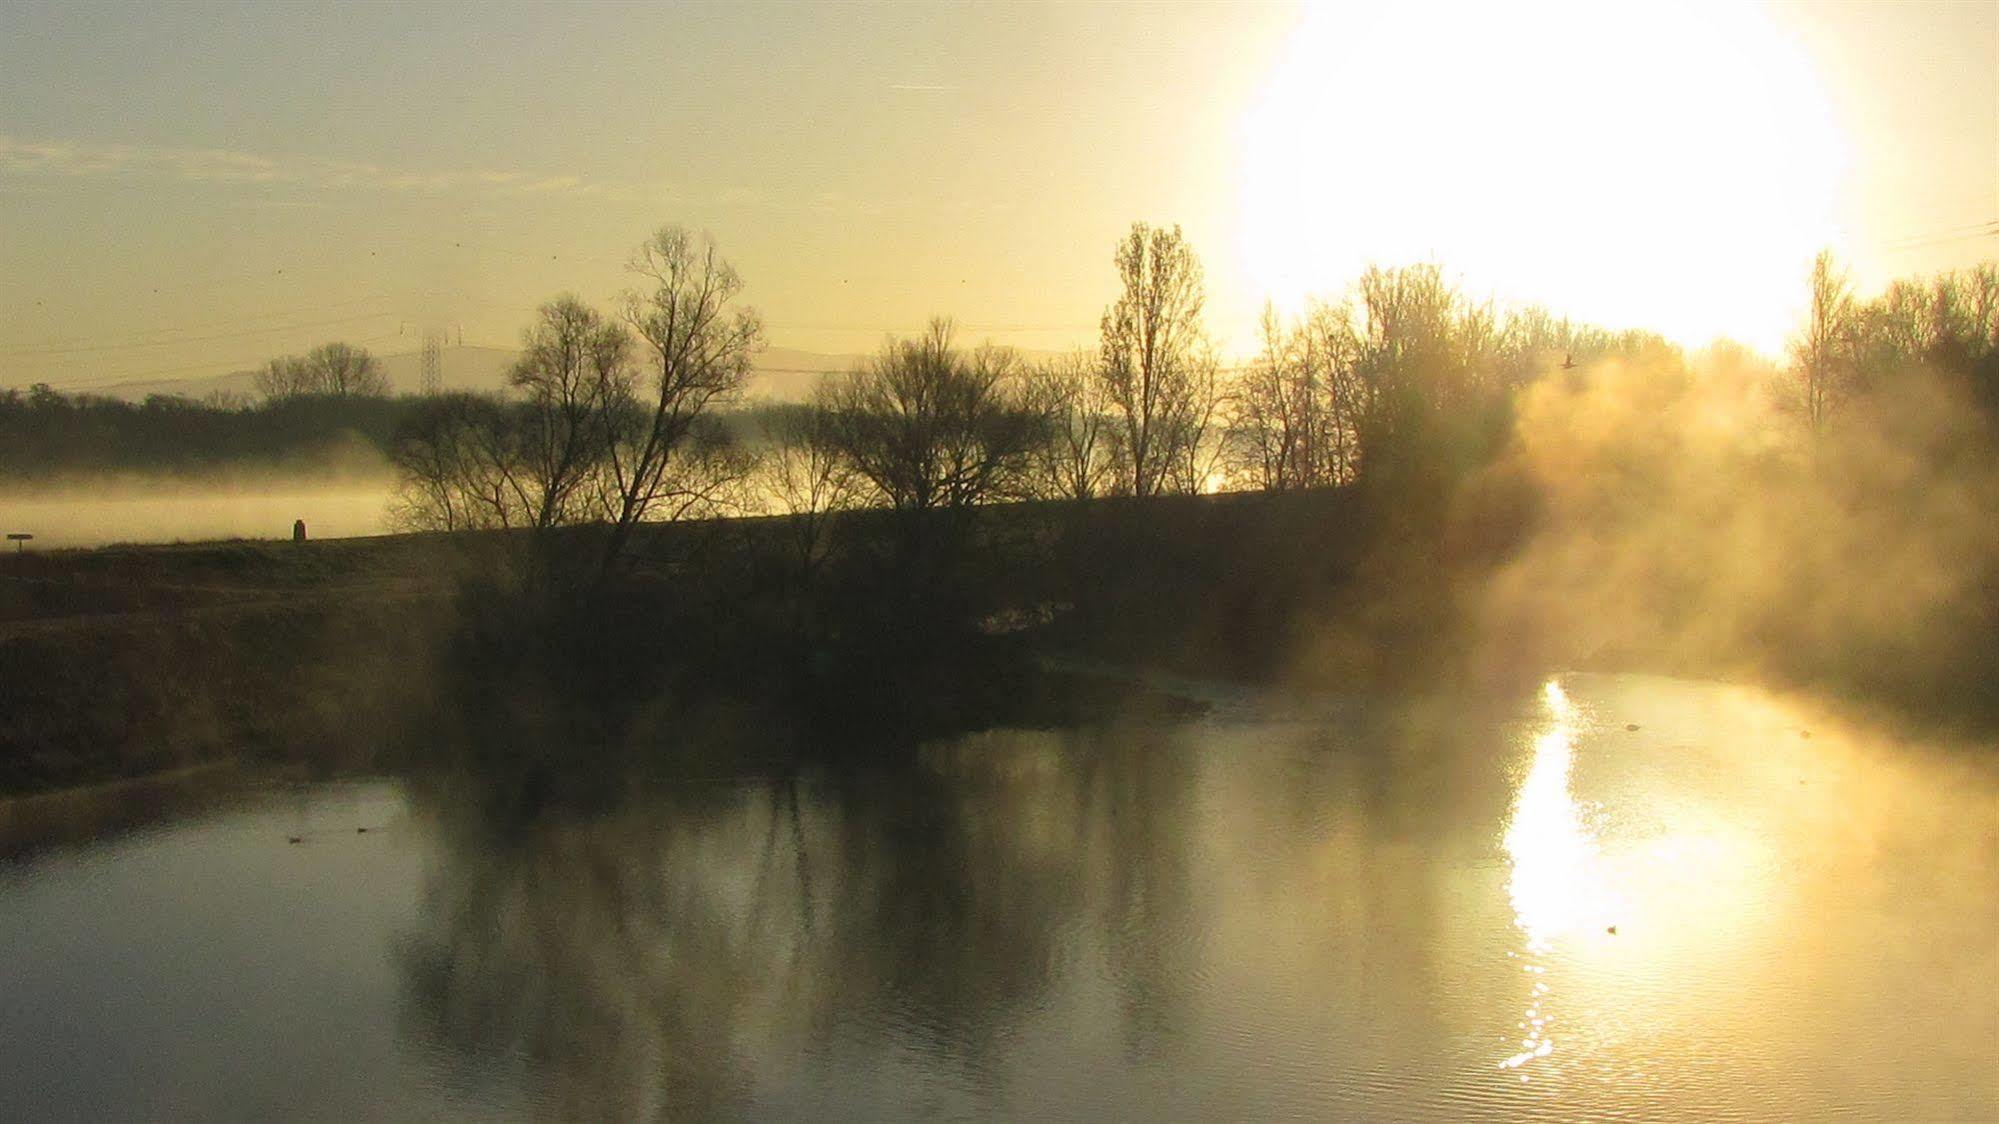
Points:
[683,948]
[621,959]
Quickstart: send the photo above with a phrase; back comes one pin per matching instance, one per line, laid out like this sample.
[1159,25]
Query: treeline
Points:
[1425,479]
[1851,348]
[334,398]
[915,489]
[331,370]
[46,435]
[620,418]
[611,421]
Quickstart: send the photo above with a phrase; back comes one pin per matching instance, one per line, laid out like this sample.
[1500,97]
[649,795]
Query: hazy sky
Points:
[187,188]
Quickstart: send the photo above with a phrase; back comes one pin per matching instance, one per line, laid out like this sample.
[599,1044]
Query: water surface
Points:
[1290,908]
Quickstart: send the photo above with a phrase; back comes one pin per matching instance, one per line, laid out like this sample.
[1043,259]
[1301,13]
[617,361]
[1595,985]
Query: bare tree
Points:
[336,369]
[470,462]
[928,426]
[1330,354]
[803,476]
[342,369]
[1982,300]
[1407,358]
[1073,460]
[1152,356]
[1948,323]
[1822,354]
[1271,417]
[1197,453]
[596,435]
[575,378]
[229,401]
[457,465]
[287,376]
[696,351]
[1403,370]
[1295,416]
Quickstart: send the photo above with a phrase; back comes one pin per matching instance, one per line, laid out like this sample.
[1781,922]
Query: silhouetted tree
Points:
[470,462]
[284,377]
[1405,353]
[333,369]
[577,443]
[695,352]
[1157,370]
[458,465]
[1948,323]
[1198,451]
[575,378]
[1297,414]
[1074,458]
[801,474]
[44,433]
[1822,354]
[342,369]
[1431,371]
[930,427]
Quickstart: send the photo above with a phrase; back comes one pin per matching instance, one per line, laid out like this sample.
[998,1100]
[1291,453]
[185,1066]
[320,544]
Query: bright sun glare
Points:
[1557,886]
[1668,166]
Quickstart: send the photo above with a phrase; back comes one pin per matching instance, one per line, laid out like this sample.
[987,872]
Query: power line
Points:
[57,348]
[110,381]
[137,337]
[1979,225]
[1993,233]
[51,352]
[1987,229]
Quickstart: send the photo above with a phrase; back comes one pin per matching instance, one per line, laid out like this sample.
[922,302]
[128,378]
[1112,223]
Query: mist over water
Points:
[1088,562]
[1297,906]
[91,513]
[1684,519]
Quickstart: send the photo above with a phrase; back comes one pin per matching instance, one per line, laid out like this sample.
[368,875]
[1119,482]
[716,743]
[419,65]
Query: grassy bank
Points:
[130,660]
[135,660]
[723,638]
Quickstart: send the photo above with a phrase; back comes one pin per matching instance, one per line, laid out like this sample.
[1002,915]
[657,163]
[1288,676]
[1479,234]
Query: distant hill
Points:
[785,374]
[781,374]
[236,382]
[460,368]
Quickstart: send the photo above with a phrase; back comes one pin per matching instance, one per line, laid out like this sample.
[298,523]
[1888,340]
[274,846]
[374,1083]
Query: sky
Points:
[189,188]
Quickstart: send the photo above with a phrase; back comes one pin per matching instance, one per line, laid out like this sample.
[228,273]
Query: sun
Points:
[1668,166]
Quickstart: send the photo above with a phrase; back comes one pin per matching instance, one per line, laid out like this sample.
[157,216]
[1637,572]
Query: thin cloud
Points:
[71,158]
[24,162]
[76,159]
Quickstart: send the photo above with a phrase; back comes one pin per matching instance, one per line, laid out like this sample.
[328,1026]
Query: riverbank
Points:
[168,686]
[724,637]
[131,660]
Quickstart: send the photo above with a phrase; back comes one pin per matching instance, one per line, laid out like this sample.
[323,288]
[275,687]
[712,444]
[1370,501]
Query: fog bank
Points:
[98,511]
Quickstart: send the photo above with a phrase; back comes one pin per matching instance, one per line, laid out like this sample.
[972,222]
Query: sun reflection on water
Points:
[1557,886]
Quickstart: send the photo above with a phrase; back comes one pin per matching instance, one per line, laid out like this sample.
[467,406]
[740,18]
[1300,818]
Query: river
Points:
[1617,898]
